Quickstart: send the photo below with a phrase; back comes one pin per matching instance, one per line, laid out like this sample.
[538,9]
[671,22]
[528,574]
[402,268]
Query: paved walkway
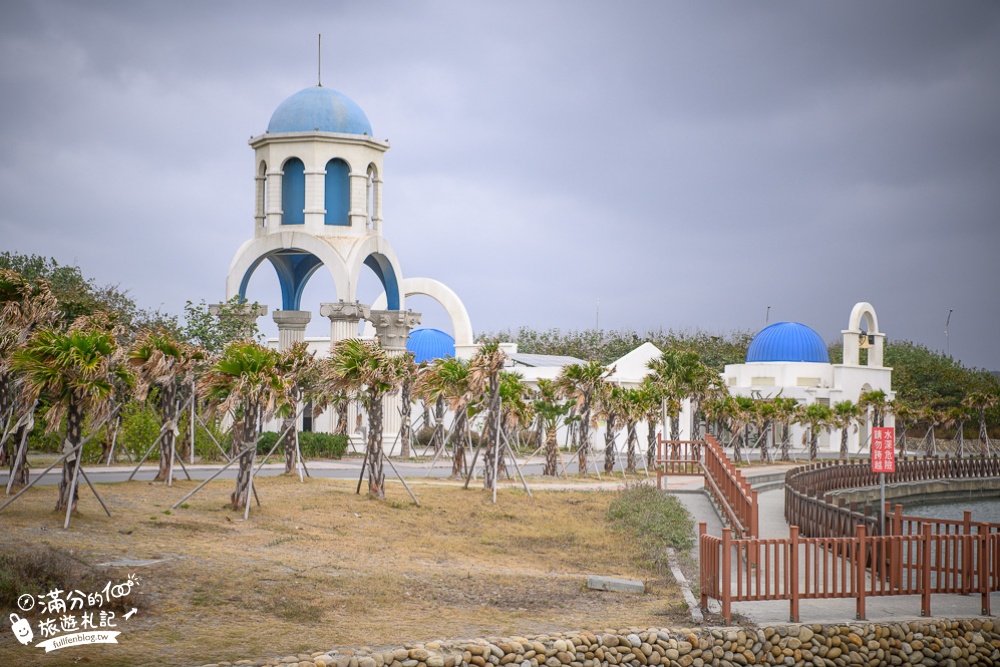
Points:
[771,523]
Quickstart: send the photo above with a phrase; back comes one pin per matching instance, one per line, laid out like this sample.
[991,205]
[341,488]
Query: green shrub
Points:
[654,519]
[312,445]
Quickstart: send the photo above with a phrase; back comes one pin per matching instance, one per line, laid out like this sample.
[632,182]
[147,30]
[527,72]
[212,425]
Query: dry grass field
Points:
[318,566]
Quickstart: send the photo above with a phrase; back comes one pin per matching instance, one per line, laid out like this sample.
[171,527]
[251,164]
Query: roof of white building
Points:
[633,367]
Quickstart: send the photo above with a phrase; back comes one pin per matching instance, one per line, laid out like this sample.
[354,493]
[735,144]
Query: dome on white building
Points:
[319,109]
[788,341]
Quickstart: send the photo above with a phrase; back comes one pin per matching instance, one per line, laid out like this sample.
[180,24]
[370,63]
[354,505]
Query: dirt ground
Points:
[317,566]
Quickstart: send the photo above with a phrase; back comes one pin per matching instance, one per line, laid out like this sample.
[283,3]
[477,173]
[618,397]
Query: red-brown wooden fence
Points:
[845,551]
[725,484]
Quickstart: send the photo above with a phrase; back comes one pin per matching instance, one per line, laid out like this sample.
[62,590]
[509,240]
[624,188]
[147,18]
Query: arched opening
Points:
[293,192]
[338,193]
[260,205]
[382,268]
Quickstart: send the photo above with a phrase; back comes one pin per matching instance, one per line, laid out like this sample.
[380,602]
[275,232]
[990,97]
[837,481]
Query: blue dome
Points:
[319,109]
[787,341]
[430,344]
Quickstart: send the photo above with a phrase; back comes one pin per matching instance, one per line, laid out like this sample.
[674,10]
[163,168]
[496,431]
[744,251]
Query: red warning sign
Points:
[883,449]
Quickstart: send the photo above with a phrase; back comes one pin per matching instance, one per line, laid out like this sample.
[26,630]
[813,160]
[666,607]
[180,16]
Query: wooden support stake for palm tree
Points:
[214,475]
[513,460]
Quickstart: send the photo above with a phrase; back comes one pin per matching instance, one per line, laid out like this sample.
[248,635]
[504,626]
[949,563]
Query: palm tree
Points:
[876,401]
[652,399]
[982,400]
[633,409]
[905,415]
[74,371]
[765,414]
[245,384]
[582,382]
[517,406]
[484,380]
[786,410]
[158,359]
[551,412]
[743,413]
[932,416]
[364,367]
[408,372]
[845,413]
[610,407]
[818,416]
[678,374]
[447,380]
[957,416]
[301,378]
[24,306]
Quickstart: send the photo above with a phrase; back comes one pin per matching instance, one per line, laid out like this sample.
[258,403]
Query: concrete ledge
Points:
[616,585]
[930,491]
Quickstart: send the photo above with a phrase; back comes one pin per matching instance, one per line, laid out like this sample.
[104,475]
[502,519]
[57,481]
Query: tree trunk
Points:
[650,442]
[247,434]
[459,436]
[288,444]
[633,443]
[786,437]
[491,462]
[960,436]
[584,446]
[376,474]
[168,409]
[843,444]
[341,411]
[19,459]
[551,453]
[813,443]
[437,439]
[609,444]
[68,494]
[675,427]
[405,432]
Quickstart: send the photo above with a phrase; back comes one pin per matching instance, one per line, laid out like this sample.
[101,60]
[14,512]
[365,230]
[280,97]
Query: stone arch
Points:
[863,312]
[296,257]
[376,253]
[443,295]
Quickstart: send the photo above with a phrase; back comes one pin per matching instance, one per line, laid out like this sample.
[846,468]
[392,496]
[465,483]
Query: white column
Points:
[291,326]
[315,210]
[392,328]
[358,211]
[344,318]
[274,199]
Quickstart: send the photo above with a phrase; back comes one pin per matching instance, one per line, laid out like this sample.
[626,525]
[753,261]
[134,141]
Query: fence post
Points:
[985,539]
[703,564]
[859,569]
[896,558]
[968,571]
[925,570]
[792,572]
[727,573]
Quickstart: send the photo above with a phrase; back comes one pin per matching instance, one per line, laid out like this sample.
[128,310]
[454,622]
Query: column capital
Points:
[244,310]
[392,327]
[345,310]
[291,319]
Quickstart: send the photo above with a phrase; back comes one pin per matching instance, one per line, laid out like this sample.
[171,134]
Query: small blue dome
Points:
[319,109]
[430,344]
[787,341]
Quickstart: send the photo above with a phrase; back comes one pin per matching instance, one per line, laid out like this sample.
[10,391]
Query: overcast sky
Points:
[687,164]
